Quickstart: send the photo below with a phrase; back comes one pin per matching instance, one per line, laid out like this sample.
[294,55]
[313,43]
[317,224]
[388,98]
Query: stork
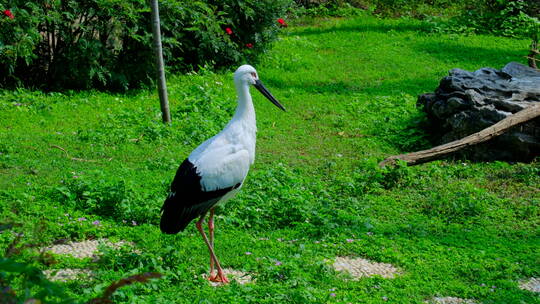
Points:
[215,171]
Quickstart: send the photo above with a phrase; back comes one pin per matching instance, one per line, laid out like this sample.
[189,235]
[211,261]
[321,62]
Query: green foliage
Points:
[108,197]
[286,202]
[327,8]
[414,8]
[75,44]
[108,43]
[516,18]
[196,31]
[454,228]
[385,8]
[30,280]
[34,284]
[458,203]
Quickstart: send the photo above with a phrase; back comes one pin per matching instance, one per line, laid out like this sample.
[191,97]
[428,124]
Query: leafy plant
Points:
[34,284]
[459,203]
[107,197]
[516,18]
[108,43]
[455,228]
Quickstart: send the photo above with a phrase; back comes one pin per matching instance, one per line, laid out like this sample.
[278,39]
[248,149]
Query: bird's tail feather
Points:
[174,217]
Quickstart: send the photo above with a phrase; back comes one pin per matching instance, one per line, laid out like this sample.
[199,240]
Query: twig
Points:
[142,278]
[136,140]
[76,158]
[60,148]
[532,58]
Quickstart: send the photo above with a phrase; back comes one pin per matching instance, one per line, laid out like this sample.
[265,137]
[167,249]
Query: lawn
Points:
[91,165]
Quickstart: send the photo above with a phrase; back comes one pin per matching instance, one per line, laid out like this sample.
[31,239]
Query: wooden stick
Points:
[497,129]
[76,158]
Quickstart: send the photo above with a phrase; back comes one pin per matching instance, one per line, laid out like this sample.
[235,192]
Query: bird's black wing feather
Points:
[187,200]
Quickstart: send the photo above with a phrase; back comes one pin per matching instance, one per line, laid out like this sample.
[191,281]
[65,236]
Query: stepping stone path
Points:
[450,300]
[532,284]
[233,275]
[84,249]
[64,275]
[358,268]
[79,250]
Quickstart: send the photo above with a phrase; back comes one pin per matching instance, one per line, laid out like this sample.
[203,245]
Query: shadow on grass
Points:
[380,27]
[453,52]
[372,87]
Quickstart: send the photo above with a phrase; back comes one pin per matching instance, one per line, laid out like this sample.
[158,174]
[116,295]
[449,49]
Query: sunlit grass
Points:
[456,228]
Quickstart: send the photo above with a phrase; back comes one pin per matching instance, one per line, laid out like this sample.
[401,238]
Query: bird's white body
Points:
[224,160]
[216,169]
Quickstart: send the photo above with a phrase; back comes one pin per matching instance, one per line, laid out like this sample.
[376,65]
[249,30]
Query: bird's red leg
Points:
[220,276]
[211,232]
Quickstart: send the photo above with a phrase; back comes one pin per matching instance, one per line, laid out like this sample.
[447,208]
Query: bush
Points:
[328,8]
[109,197]
[70,44]
[108,43]
[505,18]
[219,33]
[385,8]
[459,203]
[514,18]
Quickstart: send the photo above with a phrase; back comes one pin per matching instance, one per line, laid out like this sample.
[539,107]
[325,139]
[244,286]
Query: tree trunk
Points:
[499,128]
[162,83]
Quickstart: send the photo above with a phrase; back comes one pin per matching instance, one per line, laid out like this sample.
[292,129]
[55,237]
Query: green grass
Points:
[456,228]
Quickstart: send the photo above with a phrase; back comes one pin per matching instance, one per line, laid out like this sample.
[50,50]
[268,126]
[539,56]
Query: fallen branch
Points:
[76,158]
[532,61]
[142,278]
[497,129]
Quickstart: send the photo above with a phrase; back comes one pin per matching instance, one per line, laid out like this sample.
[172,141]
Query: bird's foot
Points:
[219,278]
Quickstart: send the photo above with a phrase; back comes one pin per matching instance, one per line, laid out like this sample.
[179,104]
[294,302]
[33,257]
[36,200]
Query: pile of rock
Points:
[467,102]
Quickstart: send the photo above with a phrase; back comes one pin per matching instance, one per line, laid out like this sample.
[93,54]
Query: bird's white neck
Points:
[245,110]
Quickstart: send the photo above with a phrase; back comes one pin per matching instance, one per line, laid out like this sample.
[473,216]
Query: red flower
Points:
[249,45]
[9,14]
[282,22]
[228,31]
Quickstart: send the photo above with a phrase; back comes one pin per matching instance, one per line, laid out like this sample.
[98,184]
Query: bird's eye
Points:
[254,75]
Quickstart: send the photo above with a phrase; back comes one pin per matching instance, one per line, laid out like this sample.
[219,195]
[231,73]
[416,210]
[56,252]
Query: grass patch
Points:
[455,228]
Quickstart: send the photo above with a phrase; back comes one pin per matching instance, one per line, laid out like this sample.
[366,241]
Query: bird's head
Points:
[247,74]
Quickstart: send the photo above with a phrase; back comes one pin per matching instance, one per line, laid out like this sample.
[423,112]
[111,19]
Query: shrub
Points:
[69,44]
[109,197]
[108,43]
[505,18]
[515,18]
[386,8]
[459,203]
[218,33]
[328,8]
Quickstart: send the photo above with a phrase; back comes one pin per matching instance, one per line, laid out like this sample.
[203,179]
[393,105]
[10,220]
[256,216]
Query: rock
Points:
[84,249]
[450,300]
[532,284]
[467,102]
[68,274]
[358,268]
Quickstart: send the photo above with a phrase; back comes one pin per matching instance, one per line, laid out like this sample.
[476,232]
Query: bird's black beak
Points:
[259,86]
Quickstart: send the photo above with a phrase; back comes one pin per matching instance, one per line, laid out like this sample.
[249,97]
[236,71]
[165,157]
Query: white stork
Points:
[216,169]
